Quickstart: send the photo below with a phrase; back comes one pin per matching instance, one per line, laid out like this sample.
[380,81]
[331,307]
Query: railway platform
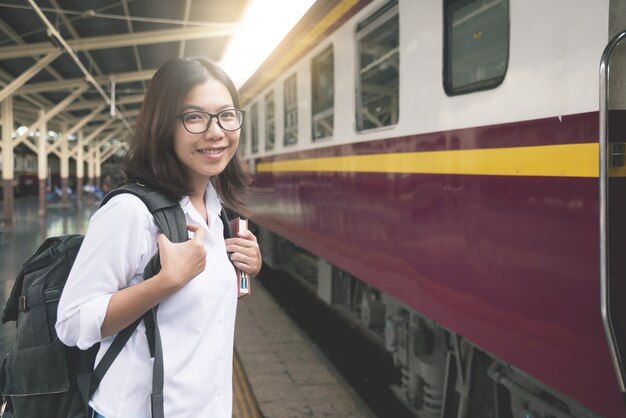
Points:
[278,371]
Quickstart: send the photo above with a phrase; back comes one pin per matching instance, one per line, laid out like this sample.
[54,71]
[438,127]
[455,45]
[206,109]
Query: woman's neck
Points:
[198,203]
[197,200]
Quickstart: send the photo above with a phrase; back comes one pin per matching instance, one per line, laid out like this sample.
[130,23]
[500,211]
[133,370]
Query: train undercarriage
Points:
[443,375]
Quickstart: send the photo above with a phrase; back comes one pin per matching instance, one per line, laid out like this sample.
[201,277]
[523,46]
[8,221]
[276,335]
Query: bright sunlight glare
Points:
[265,23]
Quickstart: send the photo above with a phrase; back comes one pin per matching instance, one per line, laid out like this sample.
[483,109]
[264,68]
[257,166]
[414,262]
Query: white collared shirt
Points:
[196,323]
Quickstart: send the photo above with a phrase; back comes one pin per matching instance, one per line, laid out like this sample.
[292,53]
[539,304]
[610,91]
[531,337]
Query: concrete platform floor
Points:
[289,376]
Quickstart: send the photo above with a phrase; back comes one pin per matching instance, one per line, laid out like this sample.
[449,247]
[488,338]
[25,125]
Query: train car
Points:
[25,172]
[26,180]
[450,173]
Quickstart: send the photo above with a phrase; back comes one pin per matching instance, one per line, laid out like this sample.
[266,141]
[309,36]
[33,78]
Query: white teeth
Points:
[212,151]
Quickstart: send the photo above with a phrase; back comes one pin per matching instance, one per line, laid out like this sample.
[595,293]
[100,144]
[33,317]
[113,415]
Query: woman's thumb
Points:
[162,240]
[198,232]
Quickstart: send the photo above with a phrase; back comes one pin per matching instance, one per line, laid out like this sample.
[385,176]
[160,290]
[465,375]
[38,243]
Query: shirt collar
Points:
[211,201]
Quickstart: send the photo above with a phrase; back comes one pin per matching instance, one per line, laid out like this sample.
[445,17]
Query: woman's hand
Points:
[181,262]
[246,254]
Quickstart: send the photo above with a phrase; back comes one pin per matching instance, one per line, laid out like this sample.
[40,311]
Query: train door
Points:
[612,135]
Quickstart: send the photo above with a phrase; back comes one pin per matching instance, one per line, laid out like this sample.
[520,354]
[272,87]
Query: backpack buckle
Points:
[22,305]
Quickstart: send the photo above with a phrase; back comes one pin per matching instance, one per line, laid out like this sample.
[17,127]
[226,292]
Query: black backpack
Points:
[41,374]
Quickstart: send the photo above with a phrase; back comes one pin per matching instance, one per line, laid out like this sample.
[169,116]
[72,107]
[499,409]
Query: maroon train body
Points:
[470,221]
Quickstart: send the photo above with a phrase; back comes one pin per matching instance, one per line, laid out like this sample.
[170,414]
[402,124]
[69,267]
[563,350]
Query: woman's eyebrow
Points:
[191,107]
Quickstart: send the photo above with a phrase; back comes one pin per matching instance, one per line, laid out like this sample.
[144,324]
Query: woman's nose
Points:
[214,131]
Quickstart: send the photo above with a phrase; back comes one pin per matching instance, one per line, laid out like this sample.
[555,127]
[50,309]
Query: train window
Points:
[323,89]
[254,128]
[291,110]
[476,44]
[270,125]
[378,77]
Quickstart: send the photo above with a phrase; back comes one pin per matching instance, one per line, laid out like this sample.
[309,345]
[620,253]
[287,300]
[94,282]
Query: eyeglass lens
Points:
[199,122]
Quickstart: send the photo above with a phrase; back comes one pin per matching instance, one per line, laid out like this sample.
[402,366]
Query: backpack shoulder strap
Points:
[166,210]
[171,221]
[228,233]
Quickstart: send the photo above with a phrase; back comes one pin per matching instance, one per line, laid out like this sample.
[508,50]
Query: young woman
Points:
[185,145]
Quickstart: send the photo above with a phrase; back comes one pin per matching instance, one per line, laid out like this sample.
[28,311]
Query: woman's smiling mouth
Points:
[212,151]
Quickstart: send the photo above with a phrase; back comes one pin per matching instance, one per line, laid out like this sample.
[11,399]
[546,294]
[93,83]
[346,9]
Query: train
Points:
[26,177]
[450,174]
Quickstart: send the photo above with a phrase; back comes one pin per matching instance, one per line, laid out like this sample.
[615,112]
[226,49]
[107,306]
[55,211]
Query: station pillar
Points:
[91,172]
[65,165]
[7,159]
[98,165]
[42,163]
[80,167]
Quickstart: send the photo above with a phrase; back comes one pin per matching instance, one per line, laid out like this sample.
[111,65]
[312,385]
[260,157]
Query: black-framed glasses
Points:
[197,122]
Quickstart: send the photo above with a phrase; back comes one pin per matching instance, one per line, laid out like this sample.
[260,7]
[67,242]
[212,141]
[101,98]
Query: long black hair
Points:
[151,159]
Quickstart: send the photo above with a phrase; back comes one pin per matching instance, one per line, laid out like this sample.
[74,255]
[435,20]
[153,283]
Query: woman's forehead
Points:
[209,93]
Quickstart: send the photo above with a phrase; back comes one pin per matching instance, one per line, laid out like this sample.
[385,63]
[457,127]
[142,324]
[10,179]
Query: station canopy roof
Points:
[71,50]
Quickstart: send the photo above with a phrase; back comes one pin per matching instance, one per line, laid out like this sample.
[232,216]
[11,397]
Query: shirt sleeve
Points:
[120,240]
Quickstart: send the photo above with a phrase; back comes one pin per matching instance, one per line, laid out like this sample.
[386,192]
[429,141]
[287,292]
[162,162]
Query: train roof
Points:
[323,18]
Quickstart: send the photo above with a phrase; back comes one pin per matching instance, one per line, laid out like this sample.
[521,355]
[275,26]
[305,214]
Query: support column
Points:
[91,172]
[65,164]
[42,162]
[80,167]
[98,166]
[7,159]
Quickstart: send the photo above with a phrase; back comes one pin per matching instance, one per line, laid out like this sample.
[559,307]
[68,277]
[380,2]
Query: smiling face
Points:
[205,155]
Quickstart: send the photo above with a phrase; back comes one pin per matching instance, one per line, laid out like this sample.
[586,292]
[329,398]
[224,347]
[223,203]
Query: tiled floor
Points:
[289,376]
[20,240]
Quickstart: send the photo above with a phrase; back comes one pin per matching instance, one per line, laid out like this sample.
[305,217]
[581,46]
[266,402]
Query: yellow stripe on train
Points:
[571,160]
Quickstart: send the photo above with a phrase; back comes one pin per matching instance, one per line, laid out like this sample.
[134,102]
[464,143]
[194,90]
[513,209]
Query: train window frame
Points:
[254,128]
[270,121]
[449,8]
[323,117]
[290,109]
[380,19]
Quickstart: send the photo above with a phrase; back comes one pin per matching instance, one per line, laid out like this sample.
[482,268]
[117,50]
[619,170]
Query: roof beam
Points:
[129,25]
[181,47]
[120,78]
[54,34]
[87,104]
[111,151]
[117,41]
[70,27]
[8,30]
[78,126]
[52,113]
[104,116]
[28,74]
